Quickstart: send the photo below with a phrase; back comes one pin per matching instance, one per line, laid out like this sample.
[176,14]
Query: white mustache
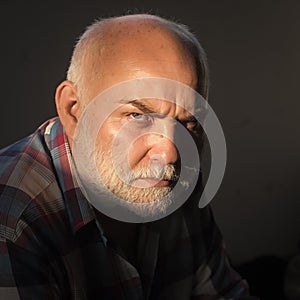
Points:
[168,172]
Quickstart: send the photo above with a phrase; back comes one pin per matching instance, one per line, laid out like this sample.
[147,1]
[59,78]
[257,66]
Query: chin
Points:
[144,202]
[149,207]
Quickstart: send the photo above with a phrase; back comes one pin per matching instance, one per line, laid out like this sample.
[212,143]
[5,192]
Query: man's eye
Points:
[136,116]
[140,117]
[192,126]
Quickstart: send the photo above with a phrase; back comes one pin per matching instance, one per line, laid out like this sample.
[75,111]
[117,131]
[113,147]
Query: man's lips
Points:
[151,182]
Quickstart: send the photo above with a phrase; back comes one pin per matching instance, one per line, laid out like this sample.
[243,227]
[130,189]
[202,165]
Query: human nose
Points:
[161,145]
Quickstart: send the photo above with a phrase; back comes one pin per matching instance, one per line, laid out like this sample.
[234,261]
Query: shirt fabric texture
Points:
[52,245]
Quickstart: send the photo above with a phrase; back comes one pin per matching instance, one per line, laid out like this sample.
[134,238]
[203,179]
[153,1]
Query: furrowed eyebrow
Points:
[148,110]
[138,104]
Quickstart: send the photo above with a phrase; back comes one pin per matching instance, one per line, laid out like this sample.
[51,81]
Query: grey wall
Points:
[253,50]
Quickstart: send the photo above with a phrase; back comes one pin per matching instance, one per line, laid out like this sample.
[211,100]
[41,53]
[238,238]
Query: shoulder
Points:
[29,191]
[26,165]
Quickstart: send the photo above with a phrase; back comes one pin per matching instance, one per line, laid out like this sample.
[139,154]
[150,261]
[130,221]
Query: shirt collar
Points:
[79,210]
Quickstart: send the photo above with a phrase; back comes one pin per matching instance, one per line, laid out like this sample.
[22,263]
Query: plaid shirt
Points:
[52,245]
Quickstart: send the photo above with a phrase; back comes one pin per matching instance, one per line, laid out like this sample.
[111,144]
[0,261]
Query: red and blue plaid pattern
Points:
[52,245]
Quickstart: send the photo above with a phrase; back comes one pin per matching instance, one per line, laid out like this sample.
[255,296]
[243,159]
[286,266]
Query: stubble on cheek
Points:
[119,182]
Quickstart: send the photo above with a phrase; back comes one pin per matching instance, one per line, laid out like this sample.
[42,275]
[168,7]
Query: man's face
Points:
[135,151]
[136,155]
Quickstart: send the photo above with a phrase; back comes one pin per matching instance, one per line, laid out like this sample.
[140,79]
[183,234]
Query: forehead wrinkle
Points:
[135,44]
[140,105]
[151,110]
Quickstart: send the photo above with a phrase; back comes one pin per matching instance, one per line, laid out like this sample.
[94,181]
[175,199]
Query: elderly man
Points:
[56,242]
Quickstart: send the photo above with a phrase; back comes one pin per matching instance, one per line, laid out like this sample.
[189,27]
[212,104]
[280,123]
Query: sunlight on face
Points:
[142,169]
[136,186]
[135,148]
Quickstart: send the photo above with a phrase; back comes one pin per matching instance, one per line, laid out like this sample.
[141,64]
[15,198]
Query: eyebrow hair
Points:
[148,110]
[142,106]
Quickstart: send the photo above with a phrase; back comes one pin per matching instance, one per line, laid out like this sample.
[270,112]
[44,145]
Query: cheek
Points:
[126,149]
[105,139]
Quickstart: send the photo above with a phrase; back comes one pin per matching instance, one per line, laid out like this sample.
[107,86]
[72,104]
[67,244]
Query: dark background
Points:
[253,50]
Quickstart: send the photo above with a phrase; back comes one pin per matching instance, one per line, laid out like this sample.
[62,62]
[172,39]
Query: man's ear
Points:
[68,107]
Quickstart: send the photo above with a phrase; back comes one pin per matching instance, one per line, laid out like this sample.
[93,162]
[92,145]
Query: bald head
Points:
[137,41]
